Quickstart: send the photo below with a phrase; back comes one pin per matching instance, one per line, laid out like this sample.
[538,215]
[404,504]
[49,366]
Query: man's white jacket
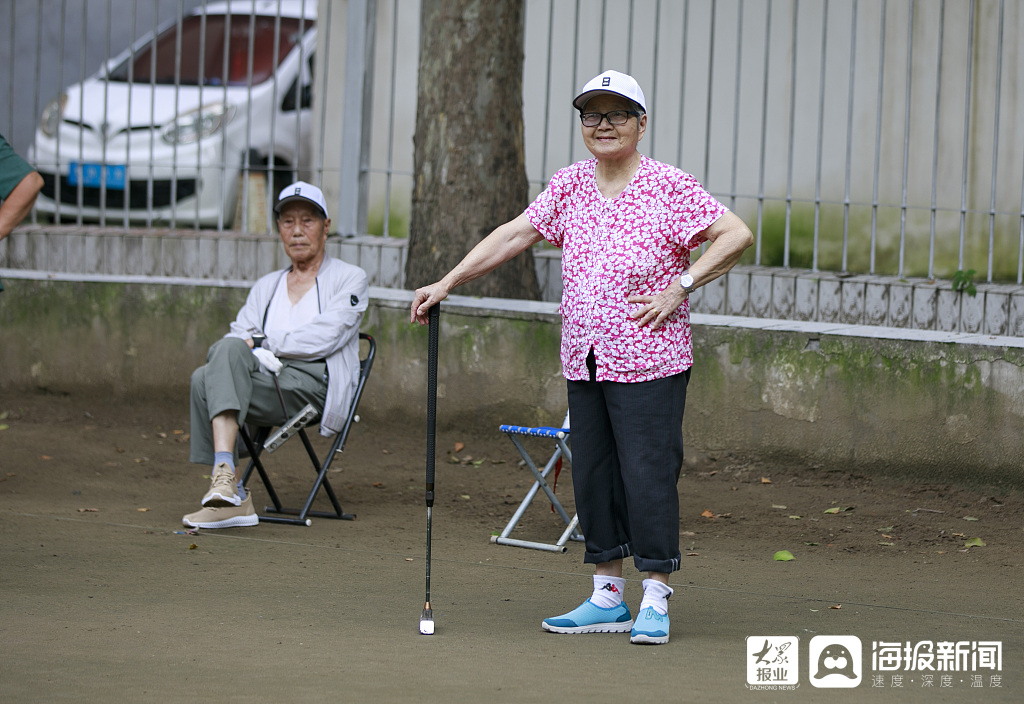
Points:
[333,335]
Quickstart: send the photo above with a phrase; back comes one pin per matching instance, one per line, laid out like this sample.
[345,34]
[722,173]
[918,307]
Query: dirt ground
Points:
[86,482]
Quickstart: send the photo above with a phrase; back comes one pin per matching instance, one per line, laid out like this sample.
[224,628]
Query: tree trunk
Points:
[469,166]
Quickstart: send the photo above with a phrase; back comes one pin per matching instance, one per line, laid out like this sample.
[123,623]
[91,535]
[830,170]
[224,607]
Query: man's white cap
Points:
[611,82]
[300,190]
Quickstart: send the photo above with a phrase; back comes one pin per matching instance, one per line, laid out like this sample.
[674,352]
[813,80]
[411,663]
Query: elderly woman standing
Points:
[626,225]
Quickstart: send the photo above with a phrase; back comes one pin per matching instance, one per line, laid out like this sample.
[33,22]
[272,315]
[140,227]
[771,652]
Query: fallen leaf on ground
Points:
[970,518]
[974,543]
[693,554]
[88,510]
[4,426]
[192,546]
[887,544]
[837,606]
[796,518]
[45,457]
[778,506]
[811,544]
[707,514]
[783,556]
[408,559]
[838,509]
[378,485]
[179,432]
[161,435]
[766,480]
[142,510]
[464,496]
[459,446]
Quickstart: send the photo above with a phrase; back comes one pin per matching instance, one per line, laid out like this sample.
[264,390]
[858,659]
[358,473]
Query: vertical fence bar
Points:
[967,134]
[904,188]
[682,86]
[105,126]
[201,88]
[37,70]
[57,180]
[269,187]
[935,144]
[325,25]
[151,167]
[575,77]
[792,129]
[547,95]
[125,219]
[654,79]
[821,136]
[849,139]
[386,230]
[629,41]
[711,76]
[878,140]
[995,146]
[222,185]
[177,110]
[764,133]
[10,72]
[247,155]
[79,189]
[736,107]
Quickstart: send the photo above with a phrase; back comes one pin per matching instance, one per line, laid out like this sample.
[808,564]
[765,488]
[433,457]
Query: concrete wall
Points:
[939,407]
[760,292]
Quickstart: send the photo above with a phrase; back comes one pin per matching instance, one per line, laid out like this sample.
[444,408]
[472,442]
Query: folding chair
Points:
[559,435]
[296,425]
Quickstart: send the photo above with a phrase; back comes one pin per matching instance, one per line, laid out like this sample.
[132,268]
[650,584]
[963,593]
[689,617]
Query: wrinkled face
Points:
[303,229]
[608,141]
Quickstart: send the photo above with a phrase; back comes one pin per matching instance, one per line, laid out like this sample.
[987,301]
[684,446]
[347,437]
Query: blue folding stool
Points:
[559,435]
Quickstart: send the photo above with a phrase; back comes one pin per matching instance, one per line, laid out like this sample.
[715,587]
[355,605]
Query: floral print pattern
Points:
[637,243]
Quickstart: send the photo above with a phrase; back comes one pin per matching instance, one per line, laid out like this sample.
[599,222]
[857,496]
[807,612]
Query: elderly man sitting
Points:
[295,341]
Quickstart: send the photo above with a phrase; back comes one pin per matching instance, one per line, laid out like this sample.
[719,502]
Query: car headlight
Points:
[50,118]
[197,124]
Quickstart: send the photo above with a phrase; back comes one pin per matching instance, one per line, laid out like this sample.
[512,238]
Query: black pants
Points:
[627,452]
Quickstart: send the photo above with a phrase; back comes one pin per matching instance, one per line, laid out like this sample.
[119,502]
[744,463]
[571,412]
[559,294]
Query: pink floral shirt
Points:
[637,243]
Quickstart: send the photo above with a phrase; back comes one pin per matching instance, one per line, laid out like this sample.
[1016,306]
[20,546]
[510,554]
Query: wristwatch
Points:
[686,281]
[257,340]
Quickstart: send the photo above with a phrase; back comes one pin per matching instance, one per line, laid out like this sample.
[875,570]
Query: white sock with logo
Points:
[656,594]
[607,591]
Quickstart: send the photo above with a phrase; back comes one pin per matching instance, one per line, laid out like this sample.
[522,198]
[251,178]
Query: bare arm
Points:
[18,204]
[729,237]
[502,244]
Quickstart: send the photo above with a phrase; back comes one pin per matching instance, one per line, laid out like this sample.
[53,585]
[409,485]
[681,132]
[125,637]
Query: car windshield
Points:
[214,50]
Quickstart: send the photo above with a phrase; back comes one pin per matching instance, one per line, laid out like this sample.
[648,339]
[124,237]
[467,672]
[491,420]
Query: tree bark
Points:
[469,164]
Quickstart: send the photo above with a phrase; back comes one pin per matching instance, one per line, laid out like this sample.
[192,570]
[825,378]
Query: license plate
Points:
[95,175]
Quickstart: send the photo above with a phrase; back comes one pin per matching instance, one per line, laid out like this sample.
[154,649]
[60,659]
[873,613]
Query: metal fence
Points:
[882,137]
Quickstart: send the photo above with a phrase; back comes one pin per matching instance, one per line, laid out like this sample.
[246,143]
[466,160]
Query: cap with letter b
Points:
[614,83]
[301,191]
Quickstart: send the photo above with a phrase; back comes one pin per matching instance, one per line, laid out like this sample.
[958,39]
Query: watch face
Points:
[686,281]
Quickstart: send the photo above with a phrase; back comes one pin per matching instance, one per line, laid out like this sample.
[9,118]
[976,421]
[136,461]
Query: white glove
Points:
[268,362]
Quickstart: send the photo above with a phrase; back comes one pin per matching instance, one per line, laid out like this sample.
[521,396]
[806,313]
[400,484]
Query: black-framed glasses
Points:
[616,118]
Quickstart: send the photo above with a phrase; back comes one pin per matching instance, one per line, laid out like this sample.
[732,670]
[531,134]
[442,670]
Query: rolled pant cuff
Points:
[644,564]
[620,552]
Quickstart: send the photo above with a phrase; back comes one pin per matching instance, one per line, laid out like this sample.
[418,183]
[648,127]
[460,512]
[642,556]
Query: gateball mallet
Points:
[427,618]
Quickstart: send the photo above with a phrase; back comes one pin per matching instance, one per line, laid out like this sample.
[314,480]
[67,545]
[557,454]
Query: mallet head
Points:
[427,622]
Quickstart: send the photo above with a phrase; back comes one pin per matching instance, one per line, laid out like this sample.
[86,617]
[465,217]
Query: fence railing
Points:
[882,137]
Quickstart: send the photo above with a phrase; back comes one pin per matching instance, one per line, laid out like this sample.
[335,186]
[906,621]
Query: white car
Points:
[167,133]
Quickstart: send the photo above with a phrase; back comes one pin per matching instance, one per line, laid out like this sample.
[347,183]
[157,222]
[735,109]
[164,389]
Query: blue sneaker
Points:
[651,628]
[588,618]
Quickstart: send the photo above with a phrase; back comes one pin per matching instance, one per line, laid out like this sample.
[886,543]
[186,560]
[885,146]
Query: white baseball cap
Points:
[611,82]
[300,190]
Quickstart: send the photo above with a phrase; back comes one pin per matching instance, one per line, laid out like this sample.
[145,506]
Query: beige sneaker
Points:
[222,490]
[223,516]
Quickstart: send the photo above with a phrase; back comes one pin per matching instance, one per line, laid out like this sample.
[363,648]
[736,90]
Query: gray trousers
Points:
[231,380]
